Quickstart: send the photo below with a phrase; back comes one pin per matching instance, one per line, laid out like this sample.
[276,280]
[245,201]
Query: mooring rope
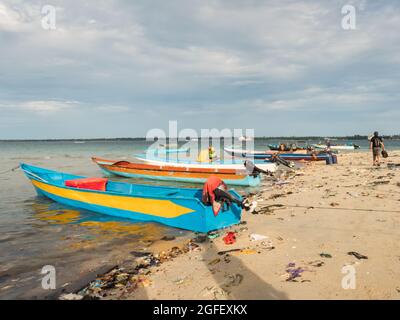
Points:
[339,208]
[10,170]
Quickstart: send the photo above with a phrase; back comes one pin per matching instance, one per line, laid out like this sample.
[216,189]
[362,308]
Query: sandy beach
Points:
[312,219]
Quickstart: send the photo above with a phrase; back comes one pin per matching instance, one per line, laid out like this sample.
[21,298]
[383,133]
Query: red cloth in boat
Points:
[208,197]
[88,183]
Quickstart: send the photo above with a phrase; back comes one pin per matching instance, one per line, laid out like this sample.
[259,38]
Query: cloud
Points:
[203,63]
[41,106]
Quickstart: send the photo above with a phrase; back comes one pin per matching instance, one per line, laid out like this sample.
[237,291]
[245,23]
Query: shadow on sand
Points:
[237,280]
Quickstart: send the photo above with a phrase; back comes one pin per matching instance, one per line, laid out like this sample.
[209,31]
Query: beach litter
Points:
[168,238]
[132,276]
[357,255]
[228,251]
[325,255]
[213,235]
[269,209]
[214,262]
[70,296]
[140,254]
[180,281]
[267,245]
[216,292]
[293,272]
[230,238]
[257,237]
[200,238]
[233,280]
[316,263]
[246,251]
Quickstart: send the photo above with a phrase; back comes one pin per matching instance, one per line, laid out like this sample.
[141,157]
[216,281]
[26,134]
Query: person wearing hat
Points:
[376,145]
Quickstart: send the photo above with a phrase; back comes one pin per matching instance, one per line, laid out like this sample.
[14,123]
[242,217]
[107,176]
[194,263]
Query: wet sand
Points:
[328,210]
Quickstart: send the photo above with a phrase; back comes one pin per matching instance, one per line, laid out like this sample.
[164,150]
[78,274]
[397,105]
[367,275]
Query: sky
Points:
[121,68]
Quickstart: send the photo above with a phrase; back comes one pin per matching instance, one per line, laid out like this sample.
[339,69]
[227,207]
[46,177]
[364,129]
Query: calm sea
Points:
[35,232]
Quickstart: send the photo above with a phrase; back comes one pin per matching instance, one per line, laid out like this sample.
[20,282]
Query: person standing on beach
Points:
[376,145]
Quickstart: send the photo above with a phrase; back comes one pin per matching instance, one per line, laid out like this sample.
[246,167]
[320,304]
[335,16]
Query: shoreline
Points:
[315,225]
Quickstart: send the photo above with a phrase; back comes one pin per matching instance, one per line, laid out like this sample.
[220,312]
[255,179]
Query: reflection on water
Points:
[91,228]
[74,241]
[58,216]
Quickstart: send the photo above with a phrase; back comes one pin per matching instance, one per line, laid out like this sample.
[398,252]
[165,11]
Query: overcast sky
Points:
[120,68]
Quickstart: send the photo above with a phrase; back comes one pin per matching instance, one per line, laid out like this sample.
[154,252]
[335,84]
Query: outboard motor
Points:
[277,159]
[215,193]
[255,171]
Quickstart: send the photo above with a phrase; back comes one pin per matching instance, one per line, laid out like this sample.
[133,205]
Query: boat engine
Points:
[215,193]
[255,171]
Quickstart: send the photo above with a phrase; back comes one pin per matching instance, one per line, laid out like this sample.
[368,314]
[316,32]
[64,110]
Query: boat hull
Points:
[344,148]
[269,155]
[175,207]
[236,165]
[169,173]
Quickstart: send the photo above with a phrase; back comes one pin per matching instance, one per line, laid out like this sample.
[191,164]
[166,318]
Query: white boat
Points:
[333,147]
[244,138]
[237,151]
[218,164]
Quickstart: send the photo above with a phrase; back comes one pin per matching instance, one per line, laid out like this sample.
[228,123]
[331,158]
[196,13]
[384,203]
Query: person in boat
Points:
[212,155]
[376,145]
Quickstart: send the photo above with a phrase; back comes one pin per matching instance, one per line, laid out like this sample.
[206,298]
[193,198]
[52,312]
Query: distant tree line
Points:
[353,137]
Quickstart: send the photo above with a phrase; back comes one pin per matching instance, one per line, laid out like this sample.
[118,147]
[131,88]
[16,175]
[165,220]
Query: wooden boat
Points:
[217,164]
[175,207]
[171,173]
[270,154]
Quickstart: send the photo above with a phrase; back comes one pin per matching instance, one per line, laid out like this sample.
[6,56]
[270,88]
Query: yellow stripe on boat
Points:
[155,207]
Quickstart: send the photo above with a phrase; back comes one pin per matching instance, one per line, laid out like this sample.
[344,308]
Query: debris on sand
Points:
[293,272]
[257,237]
[230,238]
[128,278]
[213,235]
[375,183]
[233,280]
[168,238]
[214,262]
[325,255]
[200,238]
[269,209]
[357,255]
[316,263]
[215,292]
[70,296]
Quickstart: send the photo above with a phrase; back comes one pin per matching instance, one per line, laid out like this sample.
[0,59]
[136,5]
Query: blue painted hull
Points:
[176,207]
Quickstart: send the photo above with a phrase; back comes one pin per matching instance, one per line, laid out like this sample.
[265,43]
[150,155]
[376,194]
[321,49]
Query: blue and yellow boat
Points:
[175,207]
